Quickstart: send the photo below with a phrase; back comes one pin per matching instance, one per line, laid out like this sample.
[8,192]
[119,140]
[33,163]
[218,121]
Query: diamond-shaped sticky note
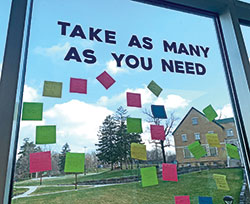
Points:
[205,200]
[154,88]
[40,161]
[169,172]
[32,111]
[182,200]
[106,80]
[157,132]
[134,125]
[46,134]
[138,151]
[210,113]
[52,89]
[158,111]
[78,86]
[134,99]
[74,162]
[221,182]
[232,151]
[213,140]
[197,150]
[149,176]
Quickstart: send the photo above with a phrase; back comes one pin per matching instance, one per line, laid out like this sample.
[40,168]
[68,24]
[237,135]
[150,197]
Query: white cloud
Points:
[172,102]
[30,94]
[225,112]
[112,67]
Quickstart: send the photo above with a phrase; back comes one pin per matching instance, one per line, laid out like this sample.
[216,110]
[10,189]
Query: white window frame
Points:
[182,137]
[231,131]
[195,119]
[210,132]
[197,133]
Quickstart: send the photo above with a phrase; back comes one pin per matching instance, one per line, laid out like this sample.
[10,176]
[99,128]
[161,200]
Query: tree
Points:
[62,157]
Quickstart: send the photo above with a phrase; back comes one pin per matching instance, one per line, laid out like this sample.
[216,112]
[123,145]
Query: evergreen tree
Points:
[62,157]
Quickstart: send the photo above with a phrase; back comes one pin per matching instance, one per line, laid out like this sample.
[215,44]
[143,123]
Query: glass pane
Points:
[247,1]
[110,95]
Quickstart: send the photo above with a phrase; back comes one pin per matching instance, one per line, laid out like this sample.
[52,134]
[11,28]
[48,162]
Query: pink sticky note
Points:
[40,161]
[134,99]
[106,80]
[78,86]
[182,200]
[169,172]
[157,132]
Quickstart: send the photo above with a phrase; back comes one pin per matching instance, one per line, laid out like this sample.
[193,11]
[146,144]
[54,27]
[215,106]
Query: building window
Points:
[195,121]
[213,151]
[187,153]
[197,136]
[230,132]
[210,132]
[184,137]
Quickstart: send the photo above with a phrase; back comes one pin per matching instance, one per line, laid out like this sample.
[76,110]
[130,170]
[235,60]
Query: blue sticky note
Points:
[158,111]
[205,200]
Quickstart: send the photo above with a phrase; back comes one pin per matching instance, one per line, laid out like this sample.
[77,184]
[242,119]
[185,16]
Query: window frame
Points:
[182,137]
[196,133]
[227,131]
[196,123]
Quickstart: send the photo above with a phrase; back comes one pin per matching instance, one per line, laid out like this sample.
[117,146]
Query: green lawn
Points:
[193,184]
[48,189]
[18,191]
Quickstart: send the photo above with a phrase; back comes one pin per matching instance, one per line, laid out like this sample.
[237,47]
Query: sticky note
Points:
[52,89]
[157,132]
[134,99]
[158,111]
[149,176]
[74,162]
[182,200]
[78,86]
[213,140]
[138,151]
[232,151]
[169,172]
[205,200]
[40,161]
[134,125]
[154,88]
[106,80]
[46,134]
[221,182]
[210,113]
[32,111]
[197,150]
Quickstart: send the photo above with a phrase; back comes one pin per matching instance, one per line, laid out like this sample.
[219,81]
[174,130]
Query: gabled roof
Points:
[225,120]
[214,121]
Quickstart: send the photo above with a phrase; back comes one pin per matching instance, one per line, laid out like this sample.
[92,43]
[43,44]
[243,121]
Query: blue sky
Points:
[78,116]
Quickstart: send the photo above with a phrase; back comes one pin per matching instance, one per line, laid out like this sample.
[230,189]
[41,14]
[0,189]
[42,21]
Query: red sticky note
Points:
[169,172]
[157,132]
[134,99]
[78,86]
[105,79]
[40,161]
[182,200]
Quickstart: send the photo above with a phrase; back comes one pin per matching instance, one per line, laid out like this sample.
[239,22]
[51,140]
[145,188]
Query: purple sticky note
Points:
[134,99]
[182,200]
[157,132]
[40,161]
[78,85]
[169,172]
[106,80]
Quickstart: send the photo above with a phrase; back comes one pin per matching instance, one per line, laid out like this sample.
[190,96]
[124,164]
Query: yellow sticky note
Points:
[221,182]
[213,140]
[138,151]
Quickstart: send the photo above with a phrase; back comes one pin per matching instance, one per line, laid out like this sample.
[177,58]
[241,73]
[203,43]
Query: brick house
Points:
[194,126]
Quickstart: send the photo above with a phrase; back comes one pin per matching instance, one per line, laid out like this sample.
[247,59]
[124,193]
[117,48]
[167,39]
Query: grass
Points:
[51,189]
[193,184]
[18,191]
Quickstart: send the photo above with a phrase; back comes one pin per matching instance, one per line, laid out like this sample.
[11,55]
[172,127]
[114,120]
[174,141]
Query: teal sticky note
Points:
[134,125]
[32,111]
[74,162]
[154,88]
[210,113]
[149,176]
[46,134]
[197,150]
[232,151]
[52,89]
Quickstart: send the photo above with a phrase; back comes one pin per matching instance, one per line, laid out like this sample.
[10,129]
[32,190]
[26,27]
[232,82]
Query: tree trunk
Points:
[163,151]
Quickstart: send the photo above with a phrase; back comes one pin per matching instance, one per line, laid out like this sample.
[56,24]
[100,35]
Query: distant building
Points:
[194,127]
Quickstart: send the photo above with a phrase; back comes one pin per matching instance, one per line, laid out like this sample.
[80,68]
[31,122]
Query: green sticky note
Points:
[210,113]
[46,134]
[74,162]
[197,150]
[232,151]
[134,125]
[52,89]
[154,88]
[32,111]
[149,176]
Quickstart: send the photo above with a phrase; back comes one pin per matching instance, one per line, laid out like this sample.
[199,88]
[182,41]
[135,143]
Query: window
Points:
[187,153]
[184,137]
[210,132]
[197,136]
[213,151]
[230,132]
[195,121]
